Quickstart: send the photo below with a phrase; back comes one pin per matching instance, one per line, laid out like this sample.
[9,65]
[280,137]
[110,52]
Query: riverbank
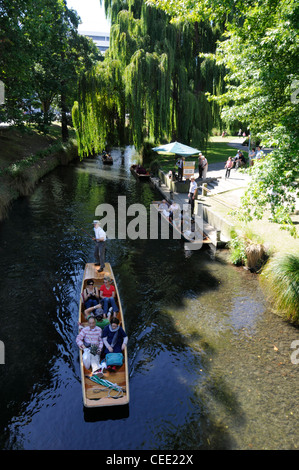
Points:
[25,157]
[222,196]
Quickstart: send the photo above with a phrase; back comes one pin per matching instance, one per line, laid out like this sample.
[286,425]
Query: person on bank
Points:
[204,166]
[107,294]
[100,248]
[228,166]
[180,165]
[192,193]
[115,338]
[91,295]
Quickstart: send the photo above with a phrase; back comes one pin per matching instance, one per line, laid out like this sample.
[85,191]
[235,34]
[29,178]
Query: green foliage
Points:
[259,51]
[154,167]
[237,247]
[280,278]
[156,88]
[41,57]
[273,189]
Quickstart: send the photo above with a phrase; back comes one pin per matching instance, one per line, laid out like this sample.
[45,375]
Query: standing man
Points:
[200,168]
[192,193]
[180,164]
[100,248]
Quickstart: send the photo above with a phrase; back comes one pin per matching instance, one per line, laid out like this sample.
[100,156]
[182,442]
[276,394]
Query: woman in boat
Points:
[107,294]
[115,338]
[91,296]
[174,211]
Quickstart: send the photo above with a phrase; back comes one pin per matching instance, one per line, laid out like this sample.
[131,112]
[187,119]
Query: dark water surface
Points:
[210,365]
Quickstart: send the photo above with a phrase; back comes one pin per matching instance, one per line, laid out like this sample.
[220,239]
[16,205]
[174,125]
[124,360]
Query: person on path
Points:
[229,164]
[100,248]
[180,165]
[192,193]
[204,166]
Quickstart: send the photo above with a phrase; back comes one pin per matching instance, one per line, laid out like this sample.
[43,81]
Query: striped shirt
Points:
[90,336]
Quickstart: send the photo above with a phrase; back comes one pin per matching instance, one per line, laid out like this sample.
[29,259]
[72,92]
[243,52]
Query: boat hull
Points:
[96,395]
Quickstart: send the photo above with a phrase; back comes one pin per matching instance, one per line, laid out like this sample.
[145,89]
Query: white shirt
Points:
[99,233]
[192,187]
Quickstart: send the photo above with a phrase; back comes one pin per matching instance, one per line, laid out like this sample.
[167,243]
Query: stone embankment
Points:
[21,180]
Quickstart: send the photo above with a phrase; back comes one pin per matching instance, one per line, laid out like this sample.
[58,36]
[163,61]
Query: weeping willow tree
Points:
[151,84]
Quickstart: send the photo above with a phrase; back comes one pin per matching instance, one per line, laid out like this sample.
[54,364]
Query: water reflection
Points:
[197,328]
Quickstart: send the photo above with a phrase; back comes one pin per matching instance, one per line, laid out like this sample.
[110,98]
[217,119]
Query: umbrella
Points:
[177,149]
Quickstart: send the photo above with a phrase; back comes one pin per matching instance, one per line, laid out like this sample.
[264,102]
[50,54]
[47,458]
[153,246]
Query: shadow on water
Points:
[179,312]
[107,413]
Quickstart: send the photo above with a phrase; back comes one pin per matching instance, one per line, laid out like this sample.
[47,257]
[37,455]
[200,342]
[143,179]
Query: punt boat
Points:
[106,159]
[139,176]
[102,393]
[201,238]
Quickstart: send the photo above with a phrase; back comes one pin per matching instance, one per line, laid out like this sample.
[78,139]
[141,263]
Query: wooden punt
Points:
[107,160]
[138,176]
[96,395]
[202,240]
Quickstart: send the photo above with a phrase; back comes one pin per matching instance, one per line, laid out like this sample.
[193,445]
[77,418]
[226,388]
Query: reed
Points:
[280,279]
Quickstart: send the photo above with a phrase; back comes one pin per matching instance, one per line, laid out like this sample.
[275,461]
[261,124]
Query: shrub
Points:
[237,248]
[280,278]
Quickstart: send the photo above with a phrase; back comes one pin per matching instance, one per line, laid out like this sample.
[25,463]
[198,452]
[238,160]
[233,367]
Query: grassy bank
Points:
[25,157]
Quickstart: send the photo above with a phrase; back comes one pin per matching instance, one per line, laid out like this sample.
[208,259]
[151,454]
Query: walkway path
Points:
[224,195]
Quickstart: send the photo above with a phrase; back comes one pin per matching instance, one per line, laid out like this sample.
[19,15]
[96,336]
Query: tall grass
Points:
[280,278]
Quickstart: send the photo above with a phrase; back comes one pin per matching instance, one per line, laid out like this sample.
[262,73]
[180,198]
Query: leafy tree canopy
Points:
[259,50]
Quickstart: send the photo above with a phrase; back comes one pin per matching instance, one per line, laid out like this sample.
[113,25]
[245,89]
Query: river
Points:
[210,364]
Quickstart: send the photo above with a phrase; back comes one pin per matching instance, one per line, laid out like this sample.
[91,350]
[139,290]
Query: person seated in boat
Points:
[101,321]
[91,295]
[140,170]
[107,294]
[174,211]
[90,335]
[186,220]
[115,339]
[164,205]
[94,311]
